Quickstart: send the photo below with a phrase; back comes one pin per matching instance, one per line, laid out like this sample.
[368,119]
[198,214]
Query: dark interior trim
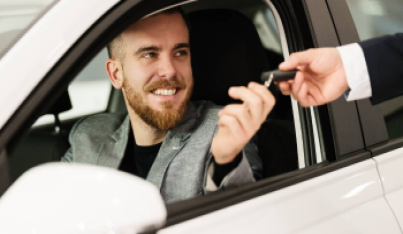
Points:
[4,173]
[371,118]
[50,88]
[185,210]
[385,147]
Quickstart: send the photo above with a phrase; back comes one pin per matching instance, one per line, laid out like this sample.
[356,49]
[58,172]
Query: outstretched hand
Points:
[238,123]
[321,78]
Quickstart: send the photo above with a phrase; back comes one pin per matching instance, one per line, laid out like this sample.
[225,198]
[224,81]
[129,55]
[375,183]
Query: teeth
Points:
[165,92]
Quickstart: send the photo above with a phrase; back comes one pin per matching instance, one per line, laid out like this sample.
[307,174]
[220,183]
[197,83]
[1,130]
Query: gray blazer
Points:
[180,167]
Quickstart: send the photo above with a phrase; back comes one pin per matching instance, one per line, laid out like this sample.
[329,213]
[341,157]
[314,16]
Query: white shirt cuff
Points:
[356,71]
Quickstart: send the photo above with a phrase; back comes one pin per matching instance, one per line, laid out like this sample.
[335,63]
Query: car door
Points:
[341,194]
[337,188]
[382,123]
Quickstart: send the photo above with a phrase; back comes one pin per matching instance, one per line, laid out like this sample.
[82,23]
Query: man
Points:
[185,148]
[372,68]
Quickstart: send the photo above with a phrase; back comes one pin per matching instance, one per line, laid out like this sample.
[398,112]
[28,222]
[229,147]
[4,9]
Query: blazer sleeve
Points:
[384,58]
[249,169]
[68,156]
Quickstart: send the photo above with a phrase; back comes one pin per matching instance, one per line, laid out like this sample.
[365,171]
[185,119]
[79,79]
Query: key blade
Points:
[267,83]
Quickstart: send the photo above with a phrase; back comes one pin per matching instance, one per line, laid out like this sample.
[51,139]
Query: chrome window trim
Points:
[297,120]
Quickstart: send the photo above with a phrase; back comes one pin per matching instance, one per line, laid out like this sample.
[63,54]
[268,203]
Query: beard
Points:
[169,116]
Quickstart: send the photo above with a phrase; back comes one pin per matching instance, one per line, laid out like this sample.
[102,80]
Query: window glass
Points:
[15,16]
[89,92]
[374,18]
[47,141]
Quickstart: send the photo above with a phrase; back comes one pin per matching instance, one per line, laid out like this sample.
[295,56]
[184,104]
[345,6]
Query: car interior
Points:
[229,48]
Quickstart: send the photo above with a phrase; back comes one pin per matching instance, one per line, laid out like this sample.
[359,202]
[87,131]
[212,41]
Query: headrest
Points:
[226,51]
[62,104]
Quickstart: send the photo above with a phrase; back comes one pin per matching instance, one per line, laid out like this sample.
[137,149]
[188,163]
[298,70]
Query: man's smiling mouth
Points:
[164,91]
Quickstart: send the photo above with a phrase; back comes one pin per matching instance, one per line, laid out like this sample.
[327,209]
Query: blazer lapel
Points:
[113,149]
[174,141]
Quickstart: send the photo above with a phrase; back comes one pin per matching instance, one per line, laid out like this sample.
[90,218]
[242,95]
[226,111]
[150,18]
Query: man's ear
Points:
[115,72]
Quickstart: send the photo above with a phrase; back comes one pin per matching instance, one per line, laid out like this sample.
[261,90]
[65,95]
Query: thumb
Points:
[304,58]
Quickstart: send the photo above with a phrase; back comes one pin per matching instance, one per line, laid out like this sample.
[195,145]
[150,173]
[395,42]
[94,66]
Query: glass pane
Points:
[374,18]
[89,92]
[15,16]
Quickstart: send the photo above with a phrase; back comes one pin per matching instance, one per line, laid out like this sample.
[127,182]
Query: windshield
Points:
[15,17]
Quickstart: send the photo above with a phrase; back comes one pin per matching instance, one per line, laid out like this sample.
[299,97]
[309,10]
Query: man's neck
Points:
[145,134]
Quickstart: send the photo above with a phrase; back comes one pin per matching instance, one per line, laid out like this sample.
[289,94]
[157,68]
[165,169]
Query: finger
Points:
[242,114]
[305,98]
[265,95]
[249,98]
[295,60]
[285,87]
[231,124]
[315,96]
[296,86]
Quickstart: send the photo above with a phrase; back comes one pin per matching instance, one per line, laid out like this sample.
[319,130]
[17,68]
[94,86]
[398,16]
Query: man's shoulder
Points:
[100,123]
[207,108]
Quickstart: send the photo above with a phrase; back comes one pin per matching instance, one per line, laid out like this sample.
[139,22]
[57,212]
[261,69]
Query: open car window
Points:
[90,93]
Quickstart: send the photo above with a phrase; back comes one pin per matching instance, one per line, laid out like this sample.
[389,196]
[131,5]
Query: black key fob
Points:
[268,77]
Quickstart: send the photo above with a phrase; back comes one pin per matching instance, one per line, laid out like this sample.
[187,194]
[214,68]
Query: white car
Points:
[337,169]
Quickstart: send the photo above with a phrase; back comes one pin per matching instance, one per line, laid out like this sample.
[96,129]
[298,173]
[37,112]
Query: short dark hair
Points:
[115,47]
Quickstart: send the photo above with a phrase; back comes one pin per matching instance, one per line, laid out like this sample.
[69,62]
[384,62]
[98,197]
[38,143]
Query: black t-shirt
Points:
[139,159]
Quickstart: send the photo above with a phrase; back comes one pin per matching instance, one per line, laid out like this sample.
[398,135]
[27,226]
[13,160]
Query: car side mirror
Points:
[79,198]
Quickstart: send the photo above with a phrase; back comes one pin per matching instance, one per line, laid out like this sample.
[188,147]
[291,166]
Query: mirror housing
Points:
[79,198]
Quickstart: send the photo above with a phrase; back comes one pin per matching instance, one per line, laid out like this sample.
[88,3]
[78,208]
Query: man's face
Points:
[156,69]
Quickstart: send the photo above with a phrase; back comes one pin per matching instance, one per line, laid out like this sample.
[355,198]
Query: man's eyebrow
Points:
[182,45]
[146,48]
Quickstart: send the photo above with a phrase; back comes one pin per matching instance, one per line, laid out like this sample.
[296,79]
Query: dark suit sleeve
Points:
[384,58]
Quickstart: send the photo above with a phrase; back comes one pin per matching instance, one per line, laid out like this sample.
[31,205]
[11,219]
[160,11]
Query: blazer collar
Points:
[114,148]
[174,142]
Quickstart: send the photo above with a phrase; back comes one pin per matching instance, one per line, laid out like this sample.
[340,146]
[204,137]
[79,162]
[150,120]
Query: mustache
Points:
[165,83]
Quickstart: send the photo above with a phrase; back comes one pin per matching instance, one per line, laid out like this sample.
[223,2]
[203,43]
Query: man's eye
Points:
[181,53]
[150,55]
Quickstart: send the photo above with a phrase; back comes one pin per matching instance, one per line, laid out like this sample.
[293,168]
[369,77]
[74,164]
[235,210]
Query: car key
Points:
[268,77]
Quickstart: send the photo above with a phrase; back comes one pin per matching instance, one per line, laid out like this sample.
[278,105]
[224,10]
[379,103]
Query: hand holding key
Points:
[321,77]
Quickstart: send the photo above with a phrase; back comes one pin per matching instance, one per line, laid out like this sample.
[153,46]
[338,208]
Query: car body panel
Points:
[63,25]
[349,200]
[390,167]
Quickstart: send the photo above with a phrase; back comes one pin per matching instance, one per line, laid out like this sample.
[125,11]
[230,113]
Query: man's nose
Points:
[167,68]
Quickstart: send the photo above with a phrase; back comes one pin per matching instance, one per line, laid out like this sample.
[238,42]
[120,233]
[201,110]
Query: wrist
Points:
[224,159]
